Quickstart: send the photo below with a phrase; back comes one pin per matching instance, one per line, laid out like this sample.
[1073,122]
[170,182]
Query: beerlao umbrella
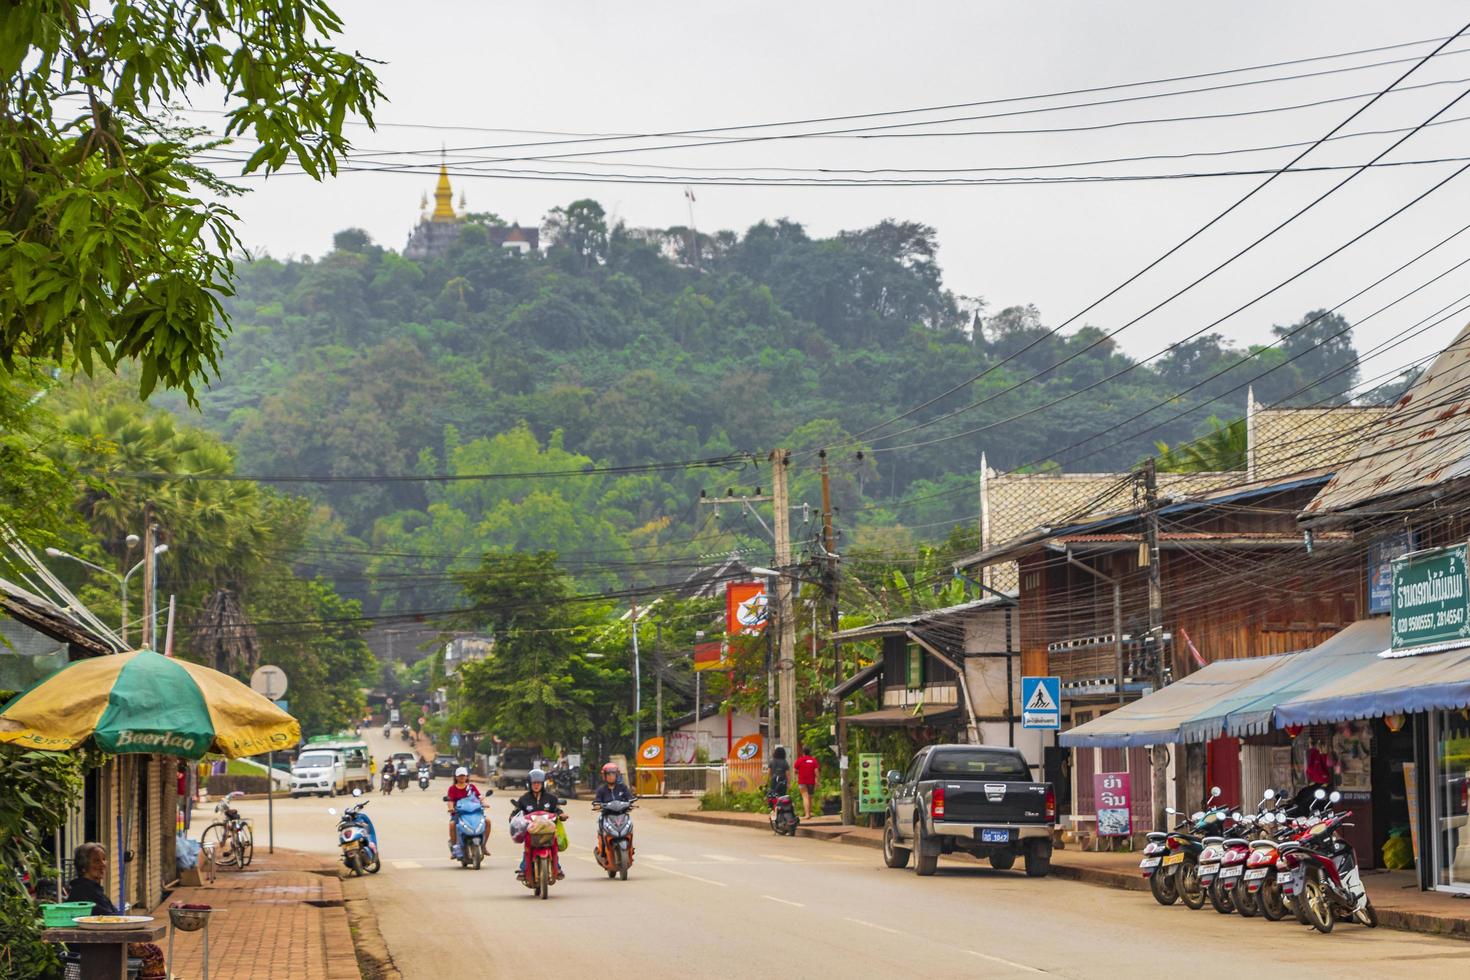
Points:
[143,702]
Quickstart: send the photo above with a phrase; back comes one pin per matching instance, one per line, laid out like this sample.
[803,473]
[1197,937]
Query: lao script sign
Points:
[1429,599]
[1113,795]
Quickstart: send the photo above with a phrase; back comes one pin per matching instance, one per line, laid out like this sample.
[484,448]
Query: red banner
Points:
[745,608]
[709,656]
[1112,793]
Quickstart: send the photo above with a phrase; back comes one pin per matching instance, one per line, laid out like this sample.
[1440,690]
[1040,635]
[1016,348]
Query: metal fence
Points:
[698,780]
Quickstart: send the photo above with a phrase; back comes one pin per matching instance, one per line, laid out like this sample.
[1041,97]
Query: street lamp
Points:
[121,580]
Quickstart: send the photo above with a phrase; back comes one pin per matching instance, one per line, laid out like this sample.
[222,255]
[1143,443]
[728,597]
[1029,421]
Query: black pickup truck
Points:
[978,799]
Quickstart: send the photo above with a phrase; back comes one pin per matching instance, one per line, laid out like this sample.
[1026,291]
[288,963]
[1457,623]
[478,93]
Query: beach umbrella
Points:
[144,702]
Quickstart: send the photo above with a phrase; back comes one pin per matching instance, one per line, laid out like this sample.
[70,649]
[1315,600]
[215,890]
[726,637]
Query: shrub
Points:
[751,802]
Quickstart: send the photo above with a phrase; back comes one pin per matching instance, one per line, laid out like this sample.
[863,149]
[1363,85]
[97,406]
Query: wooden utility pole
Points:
[658,682]
[149,540]
[786,649]
[1155,627]
[829,544]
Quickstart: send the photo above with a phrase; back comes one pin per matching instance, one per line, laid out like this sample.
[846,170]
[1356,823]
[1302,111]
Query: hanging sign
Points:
[709,656]
[745,608]
[1429,598]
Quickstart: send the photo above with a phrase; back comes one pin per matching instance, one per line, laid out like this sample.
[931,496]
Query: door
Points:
[1222,769]
[903,795]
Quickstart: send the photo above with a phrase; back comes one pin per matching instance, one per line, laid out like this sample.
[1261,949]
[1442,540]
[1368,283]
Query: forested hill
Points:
[621,346]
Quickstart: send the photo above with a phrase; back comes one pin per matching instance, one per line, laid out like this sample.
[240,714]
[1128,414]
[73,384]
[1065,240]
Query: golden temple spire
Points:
[443,195]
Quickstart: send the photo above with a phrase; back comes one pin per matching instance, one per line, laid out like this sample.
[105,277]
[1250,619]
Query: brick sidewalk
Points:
[1398,906]
[284,917]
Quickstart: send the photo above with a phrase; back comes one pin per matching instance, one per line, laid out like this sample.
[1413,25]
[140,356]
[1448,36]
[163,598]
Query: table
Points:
[104,952]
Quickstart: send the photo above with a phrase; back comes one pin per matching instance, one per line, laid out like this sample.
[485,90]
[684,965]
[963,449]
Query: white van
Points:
[319,770]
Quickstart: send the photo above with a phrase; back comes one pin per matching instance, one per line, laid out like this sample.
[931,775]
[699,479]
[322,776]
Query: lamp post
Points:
[121,580]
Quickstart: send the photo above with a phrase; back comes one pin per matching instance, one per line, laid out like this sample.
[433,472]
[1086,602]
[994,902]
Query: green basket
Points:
[65,914]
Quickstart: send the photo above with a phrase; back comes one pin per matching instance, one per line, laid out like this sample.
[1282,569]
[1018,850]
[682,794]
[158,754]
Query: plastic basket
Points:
[64,914]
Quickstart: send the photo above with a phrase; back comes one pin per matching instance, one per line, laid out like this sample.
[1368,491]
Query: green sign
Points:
[1429,603]
[872,787]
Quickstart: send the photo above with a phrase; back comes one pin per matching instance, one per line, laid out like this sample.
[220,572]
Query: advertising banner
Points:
[872,787]
[651,767]
[1113,793]
[745,608]
[746,764]
[709,656]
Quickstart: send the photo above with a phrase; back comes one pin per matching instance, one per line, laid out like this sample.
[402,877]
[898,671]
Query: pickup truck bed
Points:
[973,798]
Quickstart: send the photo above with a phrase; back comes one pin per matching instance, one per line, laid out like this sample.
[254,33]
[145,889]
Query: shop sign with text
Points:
[1429,599]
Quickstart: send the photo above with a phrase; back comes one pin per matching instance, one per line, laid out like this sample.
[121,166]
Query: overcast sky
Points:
[583,67]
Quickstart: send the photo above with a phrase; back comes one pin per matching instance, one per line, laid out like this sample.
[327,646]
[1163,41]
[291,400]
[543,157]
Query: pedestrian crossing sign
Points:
[1041,700]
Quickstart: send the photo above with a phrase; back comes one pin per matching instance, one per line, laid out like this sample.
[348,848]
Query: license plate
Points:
[992,835]
[1255,874]
[1209,870]
[1174,859]
[1231,872]
[1149,863]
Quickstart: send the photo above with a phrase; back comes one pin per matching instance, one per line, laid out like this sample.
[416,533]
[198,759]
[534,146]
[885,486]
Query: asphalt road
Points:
[706,901]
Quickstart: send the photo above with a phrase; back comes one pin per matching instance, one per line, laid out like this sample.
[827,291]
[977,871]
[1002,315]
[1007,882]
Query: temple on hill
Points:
[437,230]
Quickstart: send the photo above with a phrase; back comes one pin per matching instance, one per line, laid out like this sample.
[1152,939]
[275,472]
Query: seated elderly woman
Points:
[91,865]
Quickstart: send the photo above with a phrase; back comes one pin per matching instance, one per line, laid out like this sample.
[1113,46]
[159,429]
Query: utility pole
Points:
[1155,626]
[637,689]
[786,651]
[149,534]
[658,681]
[829,544]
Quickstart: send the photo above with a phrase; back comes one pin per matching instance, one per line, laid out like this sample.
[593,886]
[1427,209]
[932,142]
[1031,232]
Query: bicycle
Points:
[230,838]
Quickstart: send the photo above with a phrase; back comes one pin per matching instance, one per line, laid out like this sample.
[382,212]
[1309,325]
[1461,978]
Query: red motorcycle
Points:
[541,852]
[1323,875]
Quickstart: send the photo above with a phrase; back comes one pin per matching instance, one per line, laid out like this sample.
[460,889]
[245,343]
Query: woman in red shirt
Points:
[462,787]
[806,779]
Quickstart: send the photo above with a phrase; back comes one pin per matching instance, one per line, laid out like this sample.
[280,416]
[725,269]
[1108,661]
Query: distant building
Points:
[466,649]
[437,230]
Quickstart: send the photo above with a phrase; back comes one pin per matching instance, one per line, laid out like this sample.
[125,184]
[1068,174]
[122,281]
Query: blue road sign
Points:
[1041,702]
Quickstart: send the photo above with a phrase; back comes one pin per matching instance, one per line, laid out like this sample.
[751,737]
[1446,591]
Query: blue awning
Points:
[1251,710]
[1428,682]
[1155,718]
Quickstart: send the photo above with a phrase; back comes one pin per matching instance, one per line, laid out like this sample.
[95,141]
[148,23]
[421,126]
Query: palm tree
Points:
[1221,449]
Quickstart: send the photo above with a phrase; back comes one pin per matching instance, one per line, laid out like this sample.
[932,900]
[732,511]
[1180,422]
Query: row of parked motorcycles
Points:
[1285,859]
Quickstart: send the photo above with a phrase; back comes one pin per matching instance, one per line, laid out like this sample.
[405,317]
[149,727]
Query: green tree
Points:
[1221,449]
[110,248]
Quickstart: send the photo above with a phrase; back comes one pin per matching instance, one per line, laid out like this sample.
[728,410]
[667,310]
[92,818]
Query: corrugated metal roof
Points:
[1424,441]
[902,624]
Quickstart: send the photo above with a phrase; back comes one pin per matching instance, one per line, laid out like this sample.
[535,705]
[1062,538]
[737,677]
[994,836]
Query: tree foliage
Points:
[113,244]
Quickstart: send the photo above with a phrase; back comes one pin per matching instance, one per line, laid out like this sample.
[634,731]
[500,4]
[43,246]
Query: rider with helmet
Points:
[613,787]
[462,787]
[539,798]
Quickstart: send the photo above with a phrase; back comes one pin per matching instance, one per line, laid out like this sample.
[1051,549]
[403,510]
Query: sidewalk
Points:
[1395,894]
[285,917]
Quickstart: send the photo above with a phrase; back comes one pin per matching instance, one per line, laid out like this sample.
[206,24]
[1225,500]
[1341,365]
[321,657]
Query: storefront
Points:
[1449,776]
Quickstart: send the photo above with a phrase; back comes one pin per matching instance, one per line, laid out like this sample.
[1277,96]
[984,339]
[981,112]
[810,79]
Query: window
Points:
[315,760]
[914,669]
[984,763]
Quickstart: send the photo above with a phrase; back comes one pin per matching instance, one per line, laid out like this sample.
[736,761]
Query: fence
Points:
[697,780]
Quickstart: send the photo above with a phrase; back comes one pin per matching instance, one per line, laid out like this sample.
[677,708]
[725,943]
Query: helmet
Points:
[461,771]
[536,776]
[612,767]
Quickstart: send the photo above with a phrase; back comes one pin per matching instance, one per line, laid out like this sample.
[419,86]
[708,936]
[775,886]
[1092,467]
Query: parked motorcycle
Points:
[424,775]
[1324,877]
[469,827]
[784,820]
[358,839]
[1168,852]
[563,782]
[540,851]
[614,849]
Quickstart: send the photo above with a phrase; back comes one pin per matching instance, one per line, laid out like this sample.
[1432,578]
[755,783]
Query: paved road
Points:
[709,901]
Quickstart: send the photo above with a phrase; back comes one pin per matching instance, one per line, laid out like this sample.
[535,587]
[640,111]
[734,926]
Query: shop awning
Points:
[1249,710]
[928,714]
[1429,682]
[1155,718]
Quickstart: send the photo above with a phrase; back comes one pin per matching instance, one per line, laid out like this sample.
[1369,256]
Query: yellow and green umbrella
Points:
[144,702]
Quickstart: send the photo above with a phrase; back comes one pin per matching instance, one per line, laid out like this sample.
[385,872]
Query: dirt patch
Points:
[373,959]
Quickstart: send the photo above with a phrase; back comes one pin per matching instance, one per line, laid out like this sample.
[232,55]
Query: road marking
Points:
[722,857]
[874,925]
[406,865]
[658,857]
[784,857]
[681,874]
[783,901]
[1005,962]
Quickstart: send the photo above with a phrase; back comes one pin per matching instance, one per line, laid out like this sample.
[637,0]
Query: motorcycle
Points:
[404,732]
[424,776]
[469,827]
[387,731]
[1168,851]
[402,775]
[389,780]
[614,849]
[1328,885]
[563,782]
[541,851]
[784,820]
[358,839]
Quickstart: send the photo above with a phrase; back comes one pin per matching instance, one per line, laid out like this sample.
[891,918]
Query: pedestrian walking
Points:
[806,779]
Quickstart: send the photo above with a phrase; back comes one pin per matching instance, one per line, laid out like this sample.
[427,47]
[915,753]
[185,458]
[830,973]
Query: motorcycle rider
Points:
[462,787]
[613,787]
[539,798]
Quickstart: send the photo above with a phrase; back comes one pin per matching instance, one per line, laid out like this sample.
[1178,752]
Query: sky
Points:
[462,76]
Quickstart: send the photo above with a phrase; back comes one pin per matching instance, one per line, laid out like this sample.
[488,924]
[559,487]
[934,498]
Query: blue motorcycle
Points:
[469,825]
[358,839]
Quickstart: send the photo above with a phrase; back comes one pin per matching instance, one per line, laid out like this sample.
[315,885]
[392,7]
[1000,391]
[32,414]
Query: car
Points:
[444,765]
[514,767]
[319,771]
[407,758]
[978,799]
